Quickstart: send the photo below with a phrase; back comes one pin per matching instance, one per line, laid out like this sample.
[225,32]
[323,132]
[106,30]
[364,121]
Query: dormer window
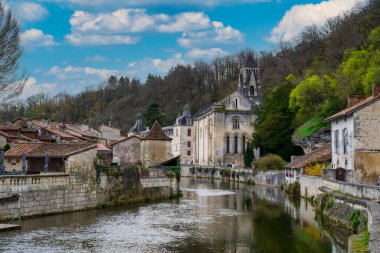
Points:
[236,123]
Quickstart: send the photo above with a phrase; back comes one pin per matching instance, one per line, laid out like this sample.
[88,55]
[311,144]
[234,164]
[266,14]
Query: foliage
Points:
[315,169]
[98,168]
[176,170]
[6,147]
[293,189]
[273,127]
[153,114]
[11,79]
[249,154]
[270,162]
[329,203]
[354,217]
[309,128]
[360,243]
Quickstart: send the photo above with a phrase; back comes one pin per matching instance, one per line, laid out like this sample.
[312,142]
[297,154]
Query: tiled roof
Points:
[54,150]
[101,147]
[156,133]
[124,139]
[354,108]
[322,154]
[50,128]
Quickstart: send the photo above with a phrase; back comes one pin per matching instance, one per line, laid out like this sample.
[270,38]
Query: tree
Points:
[11,79]
[248,154]
[153,114]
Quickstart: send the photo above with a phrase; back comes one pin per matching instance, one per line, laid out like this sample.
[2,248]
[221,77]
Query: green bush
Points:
[270,162]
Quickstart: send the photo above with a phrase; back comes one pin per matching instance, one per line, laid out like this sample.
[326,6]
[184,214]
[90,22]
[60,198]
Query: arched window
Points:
[236,145]
[228,144]
[251,90]
[236,123]
[236,103]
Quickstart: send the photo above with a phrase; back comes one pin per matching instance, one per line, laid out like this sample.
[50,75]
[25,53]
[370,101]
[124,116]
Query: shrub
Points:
[270,162]
[315,169]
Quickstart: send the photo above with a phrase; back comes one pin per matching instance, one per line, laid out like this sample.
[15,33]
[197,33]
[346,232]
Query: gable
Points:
[237,101]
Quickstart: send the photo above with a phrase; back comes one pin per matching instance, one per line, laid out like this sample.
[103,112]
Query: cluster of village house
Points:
[214,136]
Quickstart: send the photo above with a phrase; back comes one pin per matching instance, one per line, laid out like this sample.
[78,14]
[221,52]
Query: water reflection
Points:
[212,216]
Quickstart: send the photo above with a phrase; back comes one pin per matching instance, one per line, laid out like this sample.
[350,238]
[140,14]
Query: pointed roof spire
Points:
[251,62]
[139,125]
[156,133]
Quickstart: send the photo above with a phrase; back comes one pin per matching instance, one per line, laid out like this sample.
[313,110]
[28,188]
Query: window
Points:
[236,144]
[236,103]
[236,123]
[188,144]
[189,153]
[345,140]
[189,132]
[336,141]
[228,144]
[252,90]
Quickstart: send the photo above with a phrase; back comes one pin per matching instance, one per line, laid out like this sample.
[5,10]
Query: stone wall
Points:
[128,151]
[310,185]
[155,151]
[43,194]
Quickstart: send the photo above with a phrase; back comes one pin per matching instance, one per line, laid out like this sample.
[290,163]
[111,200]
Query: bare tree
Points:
[12,80]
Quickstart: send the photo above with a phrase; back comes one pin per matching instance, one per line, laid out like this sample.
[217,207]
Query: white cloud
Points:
[32,87]
[102,3]
[187,21]
[206,53]
[70,72]
[219,34]
[36,38]
[84,39]
[28,11]
[300,16]
[142,68]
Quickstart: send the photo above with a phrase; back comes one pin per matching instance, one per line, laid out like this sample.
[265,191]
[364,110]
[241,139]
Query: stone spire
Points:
[139,126]
[249,79]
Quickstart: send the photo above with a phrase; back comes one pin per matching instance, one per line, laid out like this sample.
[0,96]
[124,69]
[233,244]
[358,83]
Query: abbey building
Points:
[218,134]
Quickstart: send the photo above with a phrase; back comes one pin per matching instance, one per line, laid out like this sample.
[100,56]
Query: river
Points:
[210,217]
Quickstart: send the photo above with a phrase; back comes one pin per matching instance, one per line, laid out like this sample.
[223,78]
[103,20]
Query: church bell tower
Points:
[249,79]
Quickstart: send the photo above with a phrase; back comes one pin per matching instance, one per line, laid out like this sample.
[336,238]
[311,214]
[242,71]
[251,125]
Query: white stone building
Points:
[183,136]
[356,139]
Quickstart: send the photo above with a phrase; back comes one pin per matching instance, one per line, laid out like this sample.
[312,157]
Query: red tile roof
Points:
[156,133]
[354,108]
[322,154]
[54,150]
[51,128]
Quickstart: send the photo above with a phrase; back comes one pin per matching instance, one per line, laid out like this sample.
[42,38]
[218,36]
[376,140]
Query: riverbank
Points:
[267,178]
[355,197]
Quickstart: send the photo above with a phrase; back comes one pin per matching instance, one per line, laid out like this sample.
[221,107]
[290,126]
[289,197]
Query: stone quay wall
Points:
[267,178]
[34,195]
[310,187]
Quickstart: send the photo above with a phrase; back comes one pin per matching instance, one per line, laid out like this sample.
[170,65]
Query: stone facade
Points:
[111,133]
[128,150]
[356,142]
[155,151]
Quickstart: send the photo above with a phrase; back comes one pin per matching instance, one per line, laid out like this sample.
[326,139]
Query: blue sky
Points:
[73,44]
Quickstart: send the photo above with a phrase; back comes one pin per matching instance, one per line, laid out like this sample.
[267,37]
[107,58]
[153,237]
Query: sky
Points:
[70,45]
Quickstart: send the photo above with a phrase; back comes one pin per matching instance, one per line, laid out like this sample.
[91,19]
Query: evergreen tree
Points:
[153,114]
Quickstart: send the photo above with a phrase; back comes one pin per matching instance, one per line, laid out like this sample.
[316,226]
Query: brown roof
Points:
[124,139]
[322,154]
[156,133]
[54,150]
[354,108]
[52,129]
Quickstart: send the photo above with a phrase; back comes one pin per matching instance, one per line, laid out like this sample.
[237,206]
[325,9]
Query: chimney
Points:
[353,99]
[375,89]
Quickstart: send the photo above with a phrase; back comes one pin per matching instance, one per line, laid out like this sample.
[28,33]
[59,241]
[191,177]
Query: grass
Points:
[360,243]
[309,128]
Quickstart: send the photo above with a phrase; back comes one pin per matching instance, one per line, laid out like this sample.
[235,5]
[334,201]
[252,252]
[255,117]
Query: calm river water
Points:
[211,217]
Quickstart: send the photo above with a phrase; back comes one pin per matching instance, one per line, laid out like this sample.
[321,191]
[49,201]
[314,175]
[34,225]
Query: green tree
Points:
[273,128]
[153,114]
[249,154]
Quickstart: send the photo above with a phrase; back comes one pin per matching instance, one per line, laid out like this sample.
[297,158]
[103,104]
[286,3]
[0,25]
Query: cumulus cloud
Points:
[85,39]
[36,38]
[206,53]
[33,87]
[71,72]
[300,16]
[219,34]
[187,21]
[157,66]
[28,11]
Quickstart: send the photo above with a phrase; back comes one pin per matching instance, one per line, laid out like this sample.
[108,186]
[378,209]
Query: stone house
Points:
[111,133]
[62,157]
[127,150]
[356,140]
[155,147]
[183,136]
[295,168]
